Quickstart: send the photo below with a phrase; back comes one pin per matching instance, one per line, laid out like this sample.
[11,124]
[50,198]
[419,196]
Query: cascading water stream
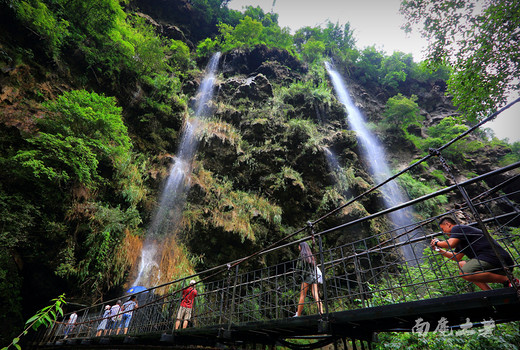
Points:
[374,154]
[173,195]
[340,178]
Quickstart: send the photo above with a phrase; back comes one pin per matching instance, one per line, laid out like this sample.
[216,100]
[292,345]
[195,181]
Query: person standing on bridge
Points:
[127,309]
[470,241]
[103,325]
[71,324]
[116,317]
[309,274]
[184,314]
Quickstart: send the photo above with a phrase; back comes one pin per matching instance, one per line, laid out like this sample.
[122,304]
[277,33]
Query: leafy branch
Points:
[45,316]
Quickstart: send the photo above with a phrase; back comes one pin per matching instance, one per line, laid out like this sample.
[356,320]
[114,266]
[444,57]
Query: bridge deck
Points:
[369,285]
[499,305]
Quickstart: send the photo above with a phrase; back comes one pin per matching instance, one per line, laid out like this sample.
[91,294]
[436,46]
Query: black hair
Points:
[306,253]
[447,219]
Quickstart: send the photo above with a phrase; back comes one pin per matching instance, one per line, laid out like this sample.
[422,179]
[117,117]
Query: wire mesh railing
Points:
[363,273]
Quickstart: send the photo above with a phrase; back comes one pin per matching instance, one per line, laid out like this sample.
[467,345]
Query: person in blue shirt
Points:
[128,310]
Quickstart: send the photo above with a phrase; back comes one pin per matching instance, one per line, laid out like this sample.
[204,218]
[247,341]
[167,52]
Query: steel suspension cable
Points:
[470,130]
[310,224]
[229,265]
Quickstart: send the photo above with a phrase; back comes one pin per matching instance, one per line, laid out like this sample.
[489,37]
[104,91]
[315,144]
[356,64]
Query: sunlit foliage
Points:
[248,33]
[480,40]
[401,110]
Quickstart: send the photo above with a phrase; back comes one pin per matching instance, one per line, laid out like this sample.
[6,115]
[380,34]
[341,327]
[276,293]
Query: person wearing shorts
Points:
[483,266]
[185,310]
[128,310]
[115,318]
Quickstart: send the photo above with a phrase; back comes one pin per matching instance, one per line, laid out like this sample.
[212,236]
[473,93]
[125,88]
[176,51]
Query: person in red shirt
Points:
[184,314]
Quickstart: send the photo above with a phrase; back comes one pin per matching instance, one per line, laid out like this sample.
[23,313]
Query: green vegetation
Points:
[402,111]
[224,208]
[73,187]
[479,42]
[44,22]
[513,156]
[446,130]
[94,97]
[416,188]
[254,29]
[44,317]
[332,41]
[502,336]
[115,46]
[81,131]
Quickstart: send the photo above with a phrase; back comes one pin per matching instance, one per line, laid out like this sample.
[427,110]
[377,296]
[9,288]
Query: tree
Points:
[480,40]
[401,110]
[337,41]
[395,69]
[313,50]
[85,186]
[82,130]
[248,31]
[369,65]
[37,16]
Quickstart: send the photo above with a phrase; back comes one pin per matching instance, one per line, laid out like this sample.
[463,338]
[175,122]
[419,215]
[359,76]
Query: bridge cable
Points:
[311,223]
[218,269]
[481,224]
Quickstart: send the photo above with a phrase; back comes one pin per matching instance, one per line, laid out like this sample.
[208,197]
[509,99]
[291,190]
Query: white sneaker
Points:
[296,315]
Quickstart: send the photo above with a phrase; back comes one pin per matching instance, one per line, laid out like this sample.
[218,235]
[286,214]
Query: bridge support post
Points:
[323,326]
[224,293]
[322,263]
[167,338]
[232,306]
[477,217]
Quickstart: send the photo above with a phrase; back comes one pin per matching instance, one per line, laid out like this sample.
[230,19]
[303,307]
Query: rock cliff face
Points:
[285,135]
[263,167]
[249,99]
[178,19]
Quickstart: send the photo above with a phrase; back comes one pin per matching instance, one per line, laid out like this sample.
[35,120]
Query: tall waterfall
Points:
[173,195]
[374,154]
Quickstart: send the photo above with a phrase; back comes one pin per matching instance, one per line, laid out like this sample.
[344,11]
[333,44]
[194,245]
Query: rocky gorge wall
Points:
[261,171]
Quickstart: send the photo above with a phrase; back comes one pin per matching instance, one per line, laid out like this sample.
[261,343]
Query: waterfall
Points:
[173,195]
[338,173]
[374,154]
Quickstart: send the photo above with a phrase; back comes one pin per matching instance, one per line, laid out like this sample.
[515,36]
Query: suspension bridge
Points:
[368,285]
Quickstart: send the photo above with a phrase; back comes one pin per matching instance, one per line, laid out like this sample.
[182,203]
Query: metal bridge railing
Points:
[362,273]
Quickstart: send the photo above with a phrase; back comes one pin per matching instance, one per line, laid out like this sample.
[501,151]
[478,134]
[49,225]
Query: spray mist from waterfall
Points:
[374,154]
[338,173]
[173,195]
